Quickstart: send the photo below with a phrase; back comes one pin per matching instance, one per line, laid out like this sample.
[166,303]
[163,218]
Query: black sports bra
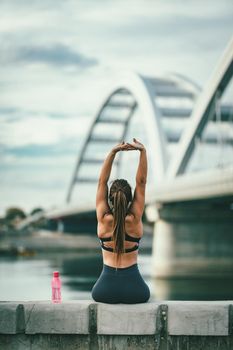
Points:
[127,238]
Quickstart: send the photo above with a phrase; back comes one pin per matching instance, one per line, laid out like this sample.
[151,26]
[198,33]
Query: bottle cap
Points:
[56,274]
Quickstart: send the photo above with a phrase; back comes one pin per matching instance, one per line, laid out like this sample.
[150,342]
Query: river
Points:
[78,258]
[29,278]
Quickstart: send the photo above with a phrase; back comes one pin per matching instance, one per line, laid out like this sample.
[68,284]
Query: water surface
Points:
[29,278]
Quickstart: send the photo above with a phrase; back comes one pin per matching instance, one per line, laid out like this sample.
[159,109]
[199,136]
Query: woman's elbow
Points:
[141,181]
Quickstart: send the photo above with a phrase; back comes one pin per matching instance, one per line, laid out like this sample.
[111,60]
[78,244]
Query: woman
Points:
[120,230]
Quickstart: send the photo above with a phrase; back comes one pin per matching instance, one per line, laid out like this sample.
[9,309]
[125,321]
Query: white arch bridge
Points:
[188,132]
[189,137]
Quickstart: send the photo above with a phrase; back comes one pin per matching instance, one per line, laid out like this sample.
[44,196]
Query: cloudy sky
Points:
[57,62]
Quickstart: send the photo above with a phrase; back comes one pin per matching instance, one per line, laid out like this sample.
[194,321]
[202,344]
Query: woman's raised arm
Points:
[138,203]
[102,206]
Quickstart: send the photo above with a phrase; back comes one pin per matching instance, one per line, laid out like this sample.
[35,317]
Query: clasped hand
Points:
[126,146]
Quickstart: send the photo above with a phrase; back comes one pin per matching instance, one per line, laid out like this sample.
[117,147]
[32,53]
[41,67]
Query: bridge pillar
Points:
[193,246]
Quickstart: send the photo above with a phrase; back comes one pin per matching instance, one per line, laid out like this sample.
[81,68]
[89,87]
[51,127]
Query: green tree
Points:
[13,213]
[36,210]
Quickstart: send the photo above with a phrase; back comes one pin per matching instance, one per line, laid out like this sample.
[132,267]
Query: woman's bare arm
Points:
[107,167]
[141,176]
[138,203]
[102,206]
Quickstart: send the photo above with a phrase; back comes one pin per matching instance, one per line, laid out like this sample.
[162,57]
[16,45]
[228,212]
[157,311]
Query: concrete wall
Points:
[170,325]
[193,240]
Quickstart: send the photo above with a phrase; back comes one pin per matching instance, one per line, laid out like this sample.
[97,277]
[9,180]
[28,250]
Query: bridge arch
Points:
[204,108]
[130,92]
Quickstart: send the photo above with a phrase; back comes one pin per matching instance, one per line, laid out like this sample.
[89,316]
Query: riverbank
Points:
[86,325]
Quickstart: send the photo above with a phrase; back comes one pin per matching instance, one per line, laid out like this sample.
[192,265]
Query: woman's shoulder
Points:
[130,217]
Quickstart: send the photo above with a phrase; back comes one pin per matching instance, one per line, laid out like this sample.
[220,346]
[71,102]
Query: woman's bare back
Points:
[133,228]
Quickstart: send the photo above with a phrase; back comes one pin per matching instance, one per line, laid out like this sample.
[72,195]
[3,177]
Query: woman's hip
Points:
[120,285]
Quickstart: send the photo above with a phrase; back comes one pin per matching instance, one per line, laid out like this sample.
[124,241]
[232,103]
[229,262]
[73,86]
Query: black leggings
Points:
[124,285]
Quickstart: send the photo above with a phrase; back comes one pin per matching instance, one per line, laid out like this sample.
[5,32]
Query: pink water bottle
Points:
[56,288]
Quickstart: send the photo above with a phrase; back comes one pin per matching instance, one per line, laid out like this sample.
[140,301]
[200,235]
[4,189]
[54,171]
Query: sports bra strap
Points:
[106,239]
[127,238]
[127,250]
[131,239]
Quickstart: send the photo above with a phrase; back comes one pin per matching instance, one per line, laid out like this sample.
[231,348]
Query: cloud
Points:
[60,149]
[41,131]
[40,89]
[9,160]
[7,110]
[55,55]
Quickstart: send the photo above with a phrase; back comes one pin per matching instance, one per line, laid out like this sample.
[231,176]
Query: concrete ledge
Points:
[131,319]
[88,325]
[65,318]
[198,318]
[11,318]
